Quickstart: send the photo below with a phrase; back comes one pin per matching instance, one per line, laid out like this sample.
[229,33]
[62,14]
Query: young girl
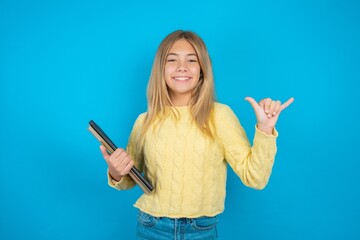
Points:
[184,141]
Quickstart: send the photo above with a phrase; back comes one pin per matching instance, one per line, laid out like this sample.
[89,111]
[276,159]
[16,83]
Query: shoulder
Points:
[139,120]
[220,108]
[141,116]
[224,114]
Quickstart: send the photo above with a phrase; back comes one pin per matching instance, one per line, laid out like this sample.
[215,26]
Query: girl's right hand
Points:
[119,162]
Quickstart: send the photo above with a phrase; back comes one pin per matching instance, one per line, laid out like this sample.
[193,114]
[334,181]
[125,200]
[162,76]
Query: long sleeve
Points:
[136,155]
[252,164]
[188,168]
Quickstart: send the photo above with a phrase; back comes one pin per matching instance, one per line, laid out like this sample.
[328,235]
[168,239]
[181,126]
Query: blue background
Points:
[63,63]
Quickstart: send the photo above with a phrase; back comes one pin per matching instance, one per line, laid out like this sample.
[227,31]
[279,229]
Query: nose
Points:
[181,67]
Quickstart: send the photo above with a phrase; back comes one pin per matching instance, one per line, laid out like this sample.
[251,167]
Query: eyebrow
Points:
[175,54]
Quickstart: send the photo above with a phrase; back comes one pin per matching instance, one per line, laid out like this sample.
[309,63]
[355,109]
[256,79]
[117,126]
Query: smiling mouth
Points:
[181,78]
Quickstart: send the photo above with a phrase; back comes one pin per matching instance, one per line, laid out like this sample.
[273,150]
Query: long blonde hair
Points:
[203,97]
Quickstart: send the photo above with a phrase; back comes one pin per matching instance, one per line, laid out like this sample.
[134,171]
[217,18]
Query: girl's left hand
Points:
[267,112]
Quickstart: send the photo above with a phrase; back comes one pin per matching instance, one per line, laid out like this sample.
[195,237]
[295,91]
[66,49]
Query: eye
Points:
[171,60]
[192,60]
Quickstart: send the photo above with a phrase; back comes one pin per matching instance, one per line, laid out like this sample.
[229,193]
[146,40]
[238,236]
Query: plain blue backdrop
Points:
[63,63]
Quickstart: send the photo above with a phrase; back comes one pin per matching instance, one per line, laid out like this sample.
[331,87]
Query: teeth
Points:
[181,78]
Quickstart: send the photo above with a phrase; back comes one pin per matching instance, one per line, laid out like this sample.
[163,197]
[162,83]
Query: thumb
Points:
[253,103]
[104,153]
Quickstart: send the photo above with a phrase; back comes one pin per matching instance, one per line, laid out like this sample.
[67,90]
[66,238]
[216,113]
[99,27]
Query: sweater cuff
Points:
[113,183]
[274,134]
[126,182]
[263,139]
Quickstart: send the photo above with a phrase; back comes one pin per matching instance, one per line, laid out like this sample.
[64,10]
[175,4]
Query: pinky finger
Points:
[129,166]
[286,104]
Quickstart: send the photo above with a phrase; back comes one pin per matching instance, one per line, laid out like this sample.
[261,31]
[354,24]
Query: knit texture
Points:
[188,169]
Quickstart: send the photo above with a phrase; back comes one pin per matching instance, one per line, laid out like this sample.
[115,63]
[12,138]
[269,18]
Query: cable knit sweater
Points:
[188,169]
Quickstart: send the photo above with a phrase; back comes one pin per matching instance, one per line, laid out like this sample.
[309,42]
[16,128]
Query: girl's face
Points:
[182,72]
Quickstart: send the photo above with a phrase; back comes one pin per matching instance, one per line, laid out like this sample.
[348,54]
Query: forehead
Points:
[182,46]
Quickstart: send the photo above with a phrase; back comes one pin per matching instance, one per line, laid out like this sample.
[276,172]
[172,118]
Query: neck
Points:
[179,101]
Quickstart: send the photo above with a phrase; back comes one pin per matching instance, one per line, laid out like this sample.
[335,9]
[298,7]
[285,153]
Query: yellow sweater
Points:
[188,170]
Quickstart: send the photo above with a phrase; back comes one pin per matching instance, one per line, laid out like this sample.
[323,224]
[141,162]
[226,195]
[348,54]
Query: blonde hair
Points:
[203,97]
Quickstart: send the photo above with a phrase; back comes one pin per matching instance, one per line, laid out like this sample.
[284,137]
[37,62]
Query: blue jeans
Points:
[158,228]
